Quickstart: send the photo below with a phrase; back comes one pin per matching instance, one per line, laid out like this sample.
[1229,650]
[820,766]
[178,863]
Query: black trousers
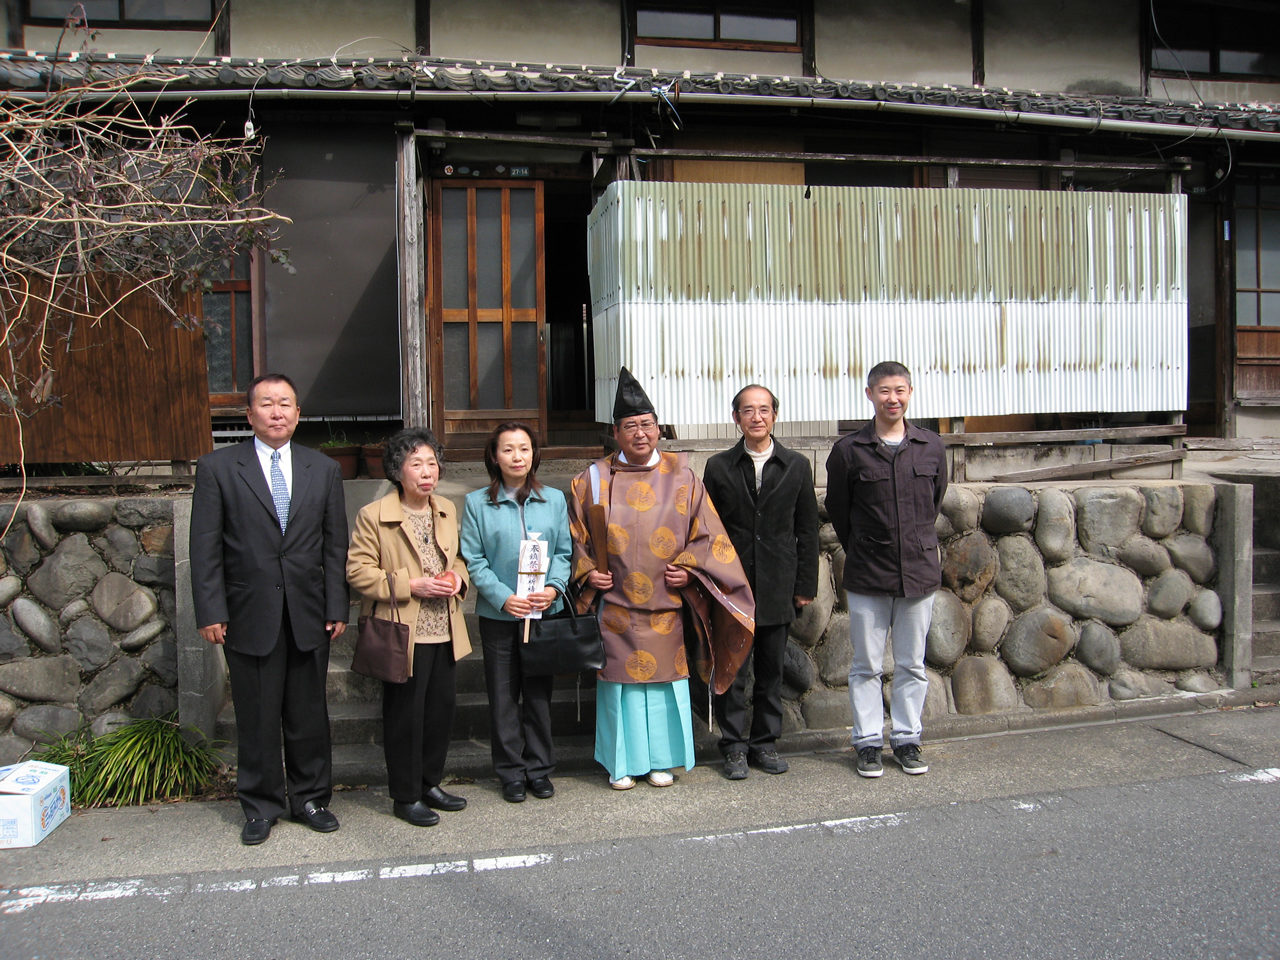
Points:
[417,723]
[280,701]
[766,695]
[519,705]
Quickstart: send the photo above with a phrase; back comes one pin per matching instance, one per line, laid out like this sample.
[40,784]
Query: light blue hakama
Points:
[643,726]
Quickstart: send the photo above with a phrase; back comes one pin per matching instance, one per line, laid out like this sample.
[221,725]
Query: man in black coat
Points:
[268,560]
[764,494]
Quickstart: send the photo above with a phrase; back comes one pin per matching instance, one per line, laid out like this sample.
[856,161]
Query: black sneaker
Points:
[735,765]
[767,759]
[908,757]
[869,762]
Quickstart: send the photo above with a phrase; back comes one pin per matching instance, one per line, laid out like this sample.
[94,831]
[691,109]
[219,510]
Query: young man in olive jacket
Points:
[884,489]
[764,494]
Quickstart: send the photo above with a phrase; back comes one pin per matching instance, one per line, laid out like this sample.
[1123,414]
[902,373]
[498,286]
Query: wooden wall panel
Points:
[133,387]
[1257,363]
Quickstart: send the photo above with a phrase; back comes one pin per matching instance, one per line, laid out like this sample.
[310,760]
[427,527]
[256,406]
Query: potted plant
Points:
[372,452]
[346,453]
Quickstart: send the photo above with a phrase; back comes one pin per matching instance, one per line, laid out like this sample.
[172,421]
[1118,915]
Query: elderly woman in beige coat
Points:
[413,533]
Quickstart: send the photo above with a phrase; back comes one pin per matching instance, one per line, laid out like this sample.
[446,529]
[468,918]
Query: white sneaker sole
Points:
[871,774]
[913,771]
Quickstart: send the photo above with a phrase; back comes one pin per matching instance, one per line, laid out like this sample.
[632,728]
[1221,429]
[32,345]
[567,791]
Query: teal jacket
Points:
[491,535]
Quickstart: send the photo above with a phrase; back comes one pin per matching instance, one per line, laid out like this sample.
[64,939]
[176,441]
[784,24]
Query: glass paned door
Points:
[487,306]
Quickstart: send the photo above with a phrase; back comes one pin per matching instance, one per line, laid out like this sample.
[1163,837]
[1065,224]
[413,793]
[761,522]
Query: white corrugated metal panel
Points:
[966,359]
[999,301]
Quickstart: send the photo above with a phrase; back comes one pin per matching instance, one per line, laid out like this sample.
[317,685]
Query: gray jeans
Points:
[873,621]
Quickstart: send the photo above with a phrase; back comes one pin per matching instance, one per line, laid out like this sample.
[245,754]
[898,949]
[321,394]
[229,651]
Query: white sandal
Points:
[660,778]
[624,782]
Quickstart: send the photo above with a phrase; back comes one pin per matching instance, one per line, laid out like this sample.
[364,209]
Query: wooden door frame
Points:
[483,420]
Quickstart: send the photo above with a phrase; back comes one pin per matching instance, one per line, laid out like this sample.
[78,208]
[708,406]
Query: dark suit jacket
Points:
[244,571]
[776,531]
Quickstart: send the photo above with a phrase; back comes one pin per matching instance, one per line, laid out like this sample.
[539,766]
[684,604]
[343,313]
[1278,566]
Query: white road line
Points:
[422,870]
[511,863]
[347,876]
[19,900]
[24,898]
[847,825]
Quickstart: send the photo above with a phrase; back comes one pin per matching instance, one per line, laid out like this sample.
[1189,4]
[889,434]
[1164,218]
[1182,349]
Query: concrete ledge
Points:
[1233,541]
[202,671]
[957,727]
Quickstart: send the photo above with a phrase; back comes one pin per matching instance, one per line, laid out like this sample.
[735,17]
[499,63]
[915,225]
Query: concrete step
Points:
[360,721]
[1266,638]
[1266,601]
[344,685]
[571,714]
[1266,564]
[469,760]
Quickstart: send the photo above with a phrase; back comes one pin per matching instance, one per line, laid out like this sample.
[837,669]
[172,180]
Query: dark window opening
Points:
[730,26]
[228,324]
[1257,241]
[151,14]
[1237,40]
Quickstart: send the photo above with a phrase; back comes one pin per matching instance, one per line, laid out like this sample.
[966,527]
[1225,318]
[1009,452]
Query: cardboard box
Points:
[34,798]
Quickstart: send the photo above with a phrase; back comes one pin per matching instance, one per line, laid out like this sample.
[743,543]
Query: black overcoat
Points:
[774,531]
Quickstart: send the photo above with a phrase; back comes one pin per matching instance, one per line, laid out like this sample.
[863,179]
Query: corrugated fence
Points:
[1000,301]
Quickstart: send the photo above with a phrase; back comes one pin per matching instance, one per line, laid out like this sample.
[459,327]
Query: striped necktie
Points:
[279,491]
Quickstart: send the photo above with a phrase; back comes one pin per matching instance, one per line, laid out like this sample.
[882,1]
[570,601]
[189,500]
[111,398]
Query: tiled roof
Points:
[425,76]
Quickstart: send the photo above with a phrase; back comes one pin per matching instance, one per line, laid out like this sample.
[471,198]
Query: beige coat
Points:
[383,540]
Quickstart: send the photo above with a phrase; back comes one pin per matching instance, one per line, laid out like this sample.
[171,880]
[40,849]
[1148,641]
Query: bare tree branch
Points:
[92,182]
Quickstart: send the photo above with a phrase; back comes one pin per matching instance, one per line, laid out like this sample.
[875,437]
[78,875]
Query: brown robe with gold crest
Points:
[659,515]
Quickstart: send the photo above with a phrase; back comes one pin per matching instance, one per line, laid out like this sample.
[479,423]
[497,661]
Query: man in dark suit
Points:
[764,494]
[268,555]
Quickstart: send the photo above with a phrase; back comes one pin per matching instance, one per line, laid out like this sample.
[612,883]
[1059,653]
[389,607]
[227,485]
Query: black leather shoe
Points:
[442,800]
[317,818]
[513,791]
[417,813]
[542,787]
[255,832]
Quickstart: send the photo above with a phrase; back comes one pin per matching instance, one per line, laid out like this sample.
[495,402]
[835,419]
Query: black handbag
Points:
[566,643]
[382,646]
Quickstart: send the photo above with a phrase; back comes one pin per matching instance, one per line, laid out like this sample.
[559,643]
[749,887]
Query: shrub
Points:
[144,761]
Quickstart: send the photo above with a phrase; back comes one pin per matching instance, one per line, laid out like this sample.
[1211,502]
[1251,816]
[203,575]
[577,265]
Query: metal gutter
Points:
[1085,124]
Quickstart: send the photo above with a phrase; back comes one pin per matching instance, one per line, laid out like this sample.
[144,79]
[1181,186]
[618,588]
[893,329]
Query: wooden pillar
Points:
[415,402]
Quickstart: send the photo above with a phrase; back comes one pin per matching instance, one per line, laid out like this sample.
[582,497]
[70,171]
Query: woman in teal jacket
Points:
[495,519]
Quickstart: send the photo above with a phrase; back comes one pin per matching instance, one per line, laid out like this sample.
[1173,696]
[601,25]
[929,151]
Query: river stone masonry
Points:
[1053,597]
[86,613]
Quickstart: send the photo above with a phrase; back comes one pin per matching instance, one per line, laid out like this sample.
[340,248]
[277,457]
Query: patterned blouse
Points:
[433,612]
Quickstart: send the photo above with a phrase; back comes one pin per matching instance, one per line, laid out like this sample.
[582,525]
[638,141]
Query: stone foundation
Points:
[88,638]
[1054,597]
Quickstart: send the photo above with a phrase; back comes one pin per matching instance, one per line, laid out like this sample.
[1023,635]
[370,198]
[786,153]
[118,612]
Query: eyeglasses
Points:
[632,427]
[747,412]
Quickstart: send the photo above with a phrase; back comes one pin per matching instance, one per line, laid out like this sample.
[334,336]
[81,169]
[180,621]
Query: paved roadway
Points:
[1147,839]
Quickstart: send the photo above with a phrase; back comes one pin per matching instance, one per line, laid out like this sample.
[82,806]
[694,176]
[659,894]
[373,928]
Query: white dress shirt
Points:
[286,462]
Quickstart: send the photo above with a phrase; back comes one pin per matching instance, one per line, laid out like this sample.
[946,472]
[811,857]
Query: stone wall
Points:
[1054,596]
[88,603]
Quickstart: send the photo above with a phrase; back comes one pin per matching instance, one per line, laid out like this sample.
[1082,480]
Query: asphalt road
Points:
[1151,839]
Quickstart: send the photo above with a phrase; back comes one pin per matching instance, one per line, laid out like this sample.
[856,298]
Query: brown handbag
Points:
[382,646]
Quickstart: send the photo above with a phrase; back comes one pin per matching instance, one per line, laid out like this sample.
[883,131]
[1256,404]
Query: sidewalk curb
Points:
[574,757]
[1029,721]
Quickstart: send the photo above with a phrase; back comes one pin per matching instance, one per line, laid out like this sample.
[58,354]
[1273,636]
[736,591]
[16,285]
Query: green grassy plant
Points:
[144,761]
